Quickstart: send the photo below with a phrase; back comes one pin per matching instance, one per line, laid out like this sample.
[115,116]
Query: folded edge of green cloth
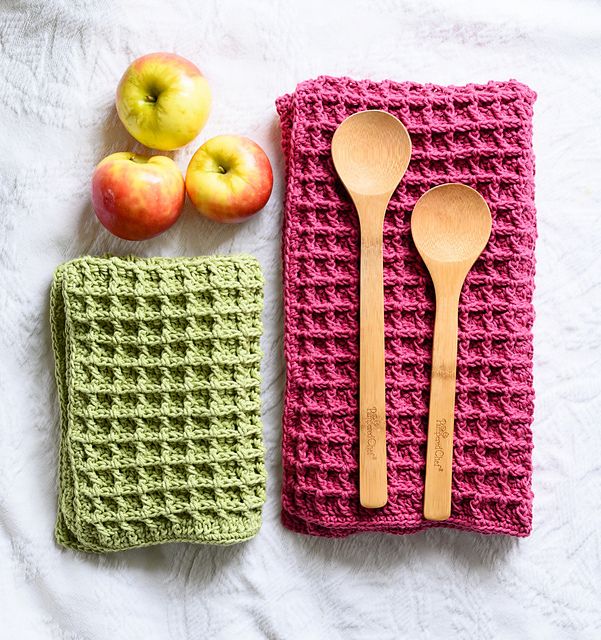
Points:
[158,376]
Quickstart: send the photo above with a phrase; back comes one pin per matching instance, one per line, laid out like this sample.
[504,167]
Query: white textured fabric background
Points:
[60,62]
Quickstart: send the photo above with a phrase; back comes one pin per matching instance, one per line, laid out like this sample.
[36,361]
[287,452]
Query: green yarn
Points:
[157,367]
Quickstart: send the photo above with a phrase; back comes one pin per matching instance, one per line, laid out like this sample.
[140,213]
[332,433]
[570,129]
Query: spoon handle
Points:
[373,489]
[439,457]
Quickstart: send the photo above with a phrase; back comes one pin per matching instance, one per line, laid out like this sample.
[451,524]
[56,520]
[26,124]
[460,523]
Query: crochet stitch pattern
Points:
[157,367]
[480,135]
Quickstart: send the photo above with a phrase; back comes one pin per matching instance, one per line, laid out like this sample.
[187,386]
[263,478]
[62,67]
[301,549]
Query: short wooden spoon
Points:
[451,225]
[371,151]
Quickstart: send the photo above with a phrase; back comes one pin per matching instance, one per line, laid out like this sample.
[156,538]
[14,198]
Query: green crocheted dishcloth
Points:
[157,366]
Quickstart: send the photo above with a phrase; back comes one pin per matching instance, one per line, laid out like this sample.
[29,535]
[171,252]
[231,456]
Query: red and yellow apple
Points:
[163,100]
[136,197]
[229,178]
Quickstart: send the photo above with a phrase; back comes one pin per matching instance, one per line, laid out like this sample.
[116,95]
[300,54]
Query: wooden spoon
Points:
[451,225]
[371,151]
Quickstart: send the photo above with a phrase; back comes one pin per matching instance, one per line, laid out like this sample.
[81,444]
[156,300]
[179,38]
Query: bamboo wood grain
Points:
[371,151]
[450,225]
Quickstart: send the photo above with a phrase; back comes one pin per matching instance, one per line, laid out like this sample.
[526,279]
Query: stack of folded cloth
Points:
[157,365]
[480,135]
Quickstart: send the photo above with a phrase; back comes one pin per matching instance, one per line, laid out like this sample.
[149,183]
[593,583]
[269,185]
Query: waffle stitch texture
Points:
[480,135]
[157,365]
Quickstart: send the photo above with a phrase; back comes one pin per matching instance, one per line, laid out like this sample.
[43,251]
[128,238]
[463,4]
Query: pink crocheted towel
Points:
[480,135]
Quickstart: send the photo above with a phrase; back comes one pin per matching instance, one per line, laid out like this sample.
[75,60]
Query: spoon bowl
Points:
[450,225]
[371,151]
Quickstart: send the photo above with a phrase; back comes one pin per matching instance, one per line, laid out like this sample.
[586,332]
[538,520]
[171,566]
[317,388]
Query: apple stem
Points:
[150,98]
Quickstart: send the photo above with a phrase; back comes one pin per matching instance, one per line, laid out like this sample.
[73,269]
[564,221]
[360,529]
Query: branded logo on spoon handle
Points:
[373,423]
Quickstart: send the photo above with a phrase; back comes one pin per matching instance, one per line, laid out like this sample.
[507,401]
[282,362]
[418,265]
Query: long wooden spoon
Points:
[451,225]
[371,151]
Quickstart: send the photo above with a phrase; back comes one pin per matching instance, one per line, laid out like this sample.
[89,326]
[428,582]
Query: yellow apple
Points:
[163,100]
[136,197]
[229,178]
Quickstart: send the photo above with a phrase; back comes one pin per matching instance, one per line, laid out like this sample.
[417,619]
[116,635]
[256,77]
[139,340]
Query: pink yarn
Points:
[480,135]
